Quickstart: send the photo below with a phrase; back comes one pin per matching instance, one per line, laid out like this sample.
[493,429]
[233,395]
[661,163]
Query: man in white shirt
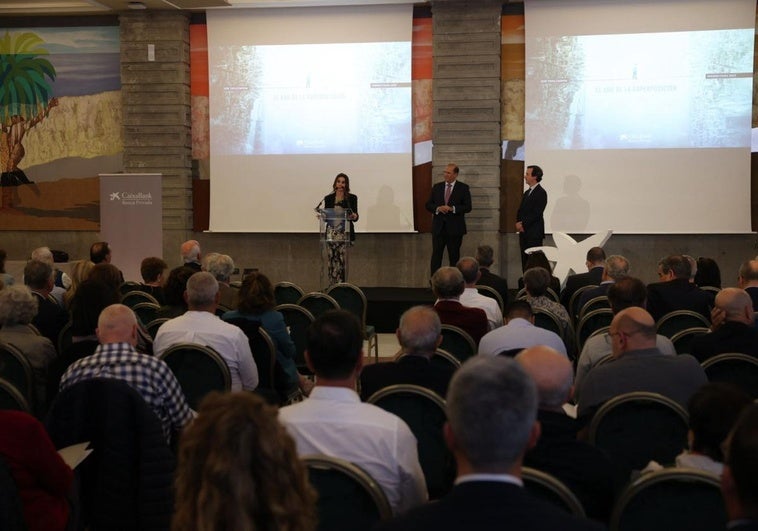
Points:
[519,333]
[333,420]
[470,297]
[202,326]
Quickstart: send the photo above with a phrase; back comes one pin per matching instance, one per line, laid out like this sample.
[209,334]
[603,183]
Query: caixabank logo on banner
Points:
[132,198]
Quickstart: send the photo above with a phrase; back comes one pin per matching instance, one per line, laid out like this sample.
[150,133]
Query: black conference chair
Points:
[11,398]
[738,369]
[674,322]
[287,293]
[318,303]
[552,490]
[298,319]
[492,293]
[682,340]
[457,342]
[198,369]
[133,298]
[351,298]
[16,370]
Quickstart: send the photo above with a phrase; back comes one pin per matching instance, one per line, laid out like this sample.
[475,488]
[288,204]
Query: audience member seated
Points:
[625,293]
[735,334]
[191,255]
[485,257]
[536,281]
[585,469]
[17,309]
[202,326]
[221,266]
[419,336]
[51,317]
[335,422]
[616,268]
[739,481]
[492,422]
[447,286]
[713,410]
[61,281]
[708,273]
[5,278]
[238,469]
[117,358]
[256,304]
[80,270]
[176,285]
[592,277]
[748,280]
[154,275]
[638,365]
[470,297]
[519,332]
[43,480]
[100,253]
[675,291]
[538,259]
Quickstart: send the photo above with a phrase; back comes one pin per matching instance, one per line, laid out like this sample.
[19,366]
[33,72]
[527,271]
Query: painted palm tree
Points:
[25,100]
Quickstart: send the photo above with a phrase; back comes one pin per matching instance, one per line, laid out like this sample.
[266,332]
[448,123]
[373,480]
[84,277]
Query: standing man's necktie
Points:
[448,191]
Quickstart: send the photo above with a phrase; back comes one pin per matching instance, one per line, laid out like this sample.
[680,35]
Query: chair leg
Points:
[374,340]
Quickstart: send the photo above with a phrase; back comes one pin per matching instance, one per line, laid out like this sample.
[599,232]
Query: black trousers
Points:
[439,242]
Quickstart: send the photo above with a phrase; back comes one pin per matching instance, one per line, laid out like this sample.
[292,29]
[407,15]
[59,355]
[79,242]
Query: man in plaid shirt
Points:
[116,357]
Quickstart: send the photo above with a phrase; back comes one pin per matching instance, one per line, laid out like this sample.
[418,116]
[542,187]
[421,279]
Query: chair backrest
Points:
[673,322]
[712,289]
[287,293]
[11,397]
[738,369]
[127,481]
[443,357]
[154,325]
[682,340]
[146,311]
[635,428]
[457,342]
[593,304]
[552,490]
[351,298]
[65,338]
[424,412]
[671,499]
[605,359]
[552,295]
[16,370]
[129,286]
[521,294]
[576,297]
[298,319]
[492,293]
[263,349]
[349,499]
[199,370]
[318,303]
[135,297]
[591,322]
[549,321]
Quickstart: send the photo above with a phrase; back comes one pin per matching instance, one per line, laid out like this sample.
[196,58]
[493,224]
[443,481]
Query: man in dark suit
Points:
[449,201]
[485,257]
[419,335]
[616,268]
[51,317]
[492,421]
[595,264]
[735,334]
[530,224]
[675,291]
[738,481]
[748,280]
[447,286]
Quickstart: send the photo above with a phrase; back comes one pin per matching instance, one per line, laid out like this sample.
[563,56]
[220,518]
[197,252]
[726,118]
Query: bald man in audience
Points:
[739,481]
[638,365]
[735,334]
[419,334]
[470,297]
[116,358]
[748,280]
[191,255]
[585,469]
[447,286]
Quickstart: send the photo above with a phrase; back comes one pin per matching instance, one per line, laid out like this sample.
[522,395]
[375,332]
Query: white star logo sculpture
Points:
[570,254]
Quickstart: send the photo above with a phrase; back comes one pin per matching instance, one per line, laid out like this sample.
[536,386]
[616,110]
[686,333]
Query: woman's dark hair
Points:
[347,182]
[106,274]
[713,411]
[176,284]
[256,294]
[708,273]
[91,297]
[538,259]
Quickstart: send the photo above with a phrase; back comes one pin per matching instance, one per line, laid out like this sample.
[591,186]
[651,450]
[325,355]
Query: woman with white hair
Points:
[17,309]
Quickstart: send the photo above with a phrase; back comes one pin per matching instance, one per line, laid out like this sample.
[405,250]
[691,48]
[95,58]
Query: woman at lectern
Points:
[341,198]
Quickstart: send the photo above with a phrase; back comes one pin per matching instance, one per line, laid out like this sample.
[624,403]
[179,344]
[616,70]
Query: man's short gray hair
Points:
[201,289]
[419,329]
[491,407]
[447,283]
[17,305]
[43,254]
[617,267]
[221,266]
[469,268]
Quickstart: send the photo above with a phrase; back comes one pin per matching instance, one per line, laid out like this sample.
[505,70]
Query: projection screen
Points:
[298,95]
[639,113]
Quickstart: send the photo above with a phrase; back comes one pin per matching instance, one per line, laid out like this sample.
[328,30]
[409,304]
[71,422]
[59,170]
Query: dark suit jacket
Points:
[471,320]
[409,369]
[460,198]
[729,337]
[530,214]
[50,318]
[496,282]
[593,277]
[351,203]
[753,292]
[485,506]
[678,294]
[588,295]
